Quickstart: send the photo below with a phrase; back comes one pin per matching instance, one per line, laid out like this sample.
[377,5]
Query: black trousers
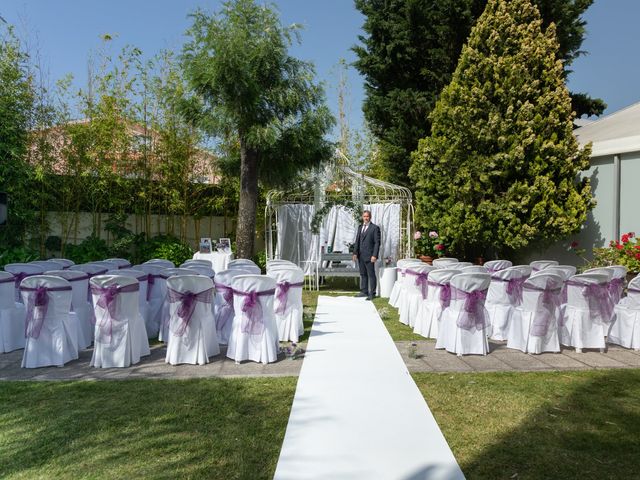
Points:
[368,283]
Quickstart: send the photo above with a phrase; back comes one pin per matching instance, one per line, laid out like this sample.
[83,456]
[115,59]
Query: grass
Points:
[213,429]
[539,425]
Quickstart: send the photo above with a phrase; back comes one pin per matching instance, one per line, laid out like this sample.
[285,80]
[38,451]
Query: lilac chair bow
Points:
[37,306]
[445,292]
[597,294]
[514,287]
[546,307]
[225,312]
[472,315]
[7,279]
[151,281]
[282,293]
[252,319]
[421,281]
[187,306]
[616,287]
[107,301]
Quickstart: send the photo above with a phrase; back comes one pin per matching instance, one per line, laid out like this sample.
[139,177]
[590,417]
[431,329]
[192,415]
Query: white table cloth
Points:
[388,277]
[219,260]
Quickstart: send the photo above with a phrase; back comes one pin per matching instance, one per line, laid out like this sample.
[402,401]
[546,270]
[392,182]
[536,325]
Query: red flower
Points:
[625,238]
[632,234]
[619,246]
[439,247]
[574,244]
[637,256]
[637,247]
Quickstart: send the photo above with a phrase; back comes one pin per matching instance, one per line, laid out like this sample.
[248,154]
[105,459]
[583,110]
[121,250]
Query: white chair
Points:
[245,267]
[119,262]
[254,335]
[80,306]
[161,282]
[192,332]
[160,261]
[65,261]
[21,271]
[51,333]
[563,271]
[588,312]
[143,281]
[92,270]
[505,294]
[106,265]
[607,271]
[12,315]
[526,270]
[444,262]
[625,327]
[223,303]
[473,269]
[155,296]
[617,283]
[54,264]
[46,265]
[534,325]
[538,265]
[416,288]
[461,265]
[438,298]
[398,287]
[199,261]
[241,261]
[120,335]
[497,265]
[201,270]
[276,263]
[288,302]
[465,323]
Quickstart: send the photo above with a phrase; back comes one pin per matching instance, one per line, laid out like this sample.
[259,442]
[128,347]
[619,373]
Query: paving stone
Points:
[559,361]
[443,361]
[595,359]
[520,361]
[486,363]
[628,357]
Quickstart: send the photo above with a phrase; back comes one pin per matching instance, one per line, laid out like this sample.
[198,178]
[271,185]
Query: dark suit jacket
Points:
[367,246]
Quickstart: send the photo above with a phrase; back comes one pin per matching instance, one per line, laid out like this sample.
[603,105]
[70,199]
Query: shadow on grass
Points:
[214,428]
[540,425]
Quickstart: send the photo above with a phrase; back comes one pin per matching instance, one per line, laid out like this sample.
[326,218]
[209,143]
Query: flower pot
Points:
[480,261]
[426,259]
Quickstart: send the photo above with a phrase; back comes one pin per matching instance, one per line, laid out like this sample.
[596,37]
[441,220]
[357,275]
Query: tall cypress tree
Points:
[499,171]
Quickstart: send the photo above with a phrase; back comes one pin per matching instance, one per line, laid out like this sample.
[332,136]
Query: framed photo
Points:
[224,244]
[205,245]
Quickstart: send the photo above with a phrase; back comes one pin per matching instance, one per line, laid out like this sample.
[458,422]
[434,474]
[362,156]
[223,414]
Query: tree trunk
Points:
[246,227]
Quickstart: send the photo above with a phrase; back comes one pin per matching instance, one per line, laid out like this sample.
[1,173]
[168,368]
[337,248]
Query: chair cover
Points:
[120,335]
[65,261]
[254,335]
[12,315]
[92,270]
[143,281]
[201,270]
[588,312]
[497,265]
[278,263]
[106,265]
[534,325]
[526,270]
[438,298]
[46,265]
[192,331]
[288,302]
[21,271]
[465,322]
[563,271]
[398,287]
[51,333]
[538,265]
[81,308]
[119,262]
[223,303]
[160,261]
[154,297]
[461,265]
[415,292]
[444,262]
[161,284]
[505,294]
[617,283]
[55,264]
[473,269]
[625,327]
[241,261]
[245,267]
[200,261]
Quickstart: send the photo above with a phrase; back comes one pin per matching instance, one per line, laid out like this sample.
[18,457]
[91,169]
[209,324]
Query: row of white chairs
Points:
[535,308]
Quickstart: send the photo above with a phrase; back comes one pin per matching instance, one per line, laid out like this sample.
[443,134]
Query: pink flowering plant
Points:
[430,243]
[625,251]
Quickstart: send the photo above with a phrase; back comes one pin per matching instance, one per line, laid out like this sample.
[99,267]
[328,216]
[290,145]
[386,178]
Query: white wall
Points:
[630,192]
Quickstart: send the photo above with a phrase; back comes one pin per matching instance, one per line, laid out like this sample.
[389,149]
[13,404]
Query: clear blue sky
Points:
[66,31]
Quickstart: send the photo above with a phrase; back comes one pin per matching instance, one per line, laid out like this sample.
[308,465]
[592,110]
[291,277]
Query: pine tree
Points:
[498,172]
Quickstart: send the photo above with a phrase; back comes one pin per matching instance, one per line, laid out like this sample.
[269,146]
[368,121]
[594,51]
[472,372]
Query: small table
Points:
[219,260]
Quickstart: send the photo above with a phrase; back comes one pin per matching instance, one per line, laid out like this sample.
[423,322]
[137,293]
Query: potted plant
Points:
[428,247]
[625,251]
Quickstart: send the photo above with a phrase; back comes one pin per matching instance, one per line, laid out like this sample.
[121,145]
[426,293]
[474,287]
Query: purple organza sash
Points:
[472,314]
[18,277]
[545,310]
[252,318]
[225,312]
[187,306]
[8,279]
[598,297]
[282,293]
[421,281]
[633,290]
[151,281]
[616,287]
[37,306]
[514,287]
[107,301]
[445,292]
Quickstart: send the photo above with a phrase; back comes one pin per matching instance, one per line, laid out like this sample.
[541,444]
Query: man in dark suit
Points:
[365,252]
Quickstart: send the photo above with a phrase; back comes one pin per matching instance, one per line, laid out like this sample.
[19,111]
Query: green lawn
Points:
[548,425]
[210,429]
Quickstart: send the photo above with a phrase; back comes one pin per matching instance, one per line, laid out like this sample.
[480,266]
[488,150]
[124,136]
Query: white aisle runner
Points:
[357,413]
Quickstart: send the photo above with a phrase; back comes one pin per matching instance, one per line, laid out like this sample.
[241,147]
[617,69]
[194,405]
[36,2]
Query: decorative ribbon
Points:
[546,307]
[18,277]
[282,291]
[252,319]
[151,281]
[597,294]
[616,287]
[472,315]
[225,312]
[107,301]
[633,290]
[187,306]
[37,306]
[421,281]
[445,292]
[514,287]
[7,279]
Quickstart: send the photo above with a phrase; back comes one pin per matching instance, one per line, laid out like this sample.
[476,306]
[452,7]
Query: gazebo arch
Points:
[334,190]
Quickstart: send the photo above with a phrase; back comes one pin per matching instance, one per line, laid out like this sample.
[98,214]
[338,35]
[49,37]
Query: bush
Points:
[625,251]
[17,255]
[90,249]
[169,248]
[260,259]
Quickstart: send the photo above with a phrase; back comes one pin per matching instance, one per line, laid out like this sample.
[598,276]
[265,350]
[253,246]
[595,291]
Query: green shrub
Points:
[260,259]
[169,248]
[17,255]
[90,249]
